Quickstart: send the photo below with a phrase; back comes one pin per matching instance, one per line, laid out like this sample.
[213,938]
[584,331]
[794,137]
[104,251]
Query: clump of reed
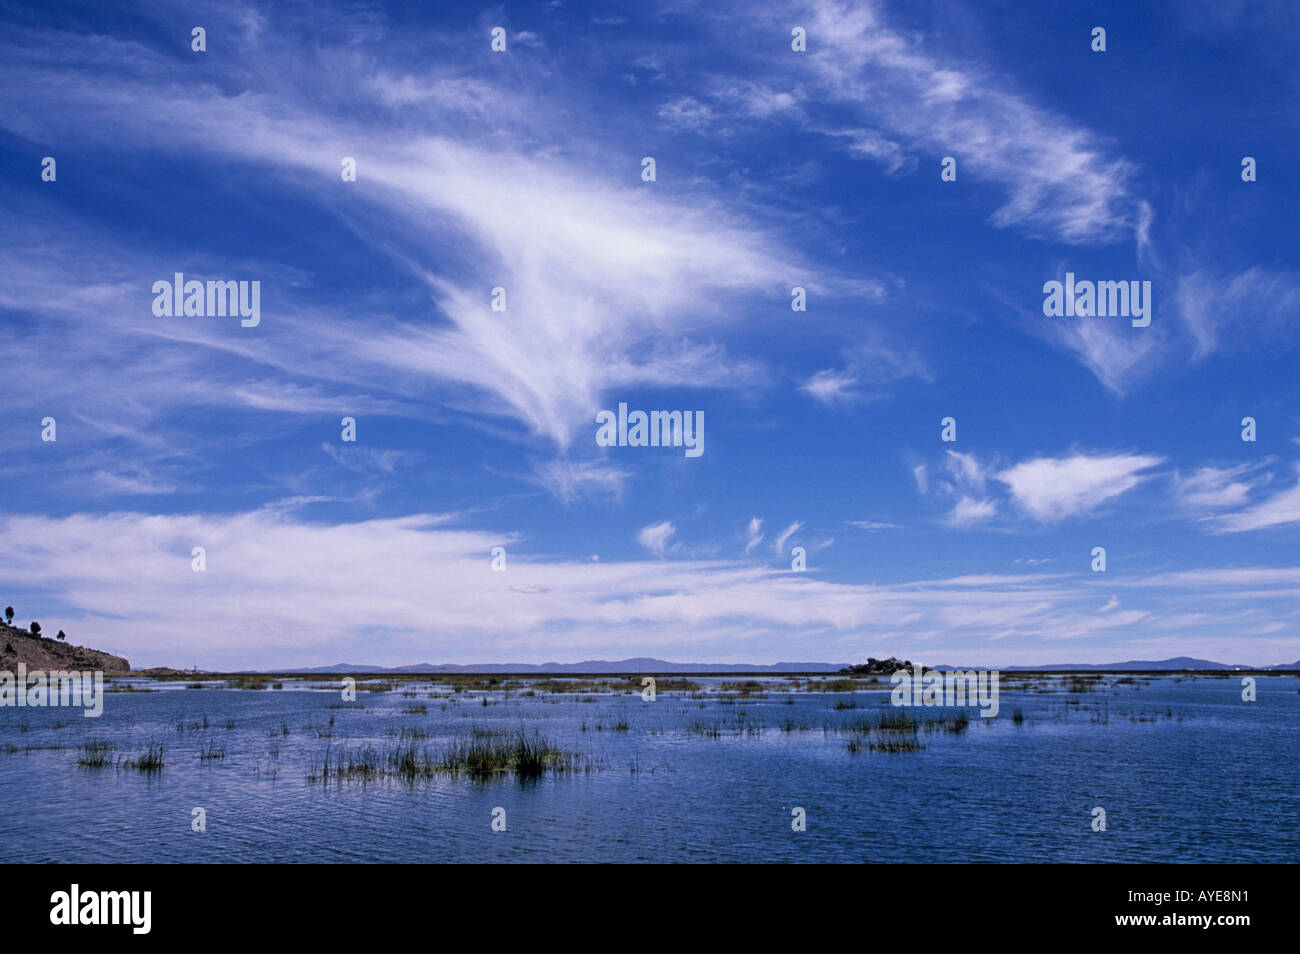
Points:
[365,763]
[897,743]
[1077,683]
[740,726]
[247,682]
[836,685]
[891,730]
[151,760]
[526,756]
[480,757]
[408,733]
[892,719]
[212,752]
[95,754]
[955,724]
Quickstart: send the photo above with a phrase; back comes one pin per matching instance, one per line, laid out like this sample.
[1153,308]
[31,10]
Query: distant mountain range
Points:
[647,664]
[639,664]
[1177,662]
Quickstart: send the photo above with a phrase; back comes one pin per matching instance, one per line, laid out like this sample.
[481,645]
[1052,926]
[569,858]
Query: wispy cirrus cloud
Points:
[126,582]
[1281,509]
[610,283]
[871,367]
[1236,310]
[569,479]
[1061,179]
[905,97]
[656,536]
[1211,488]
[778,545]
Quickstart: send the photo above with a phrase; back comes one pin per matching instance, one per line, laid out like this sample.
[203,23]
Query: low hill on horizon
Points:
[51,655]
[1151,665]
[596,666]
[646,664]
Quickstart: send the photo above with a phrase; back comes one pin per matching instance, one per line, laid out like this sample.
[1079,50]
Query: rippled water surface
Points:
[1185,770]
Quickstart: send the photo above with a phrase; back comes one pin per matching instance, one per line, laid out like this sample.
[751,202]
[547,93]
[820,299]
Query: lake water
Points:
[1184,769]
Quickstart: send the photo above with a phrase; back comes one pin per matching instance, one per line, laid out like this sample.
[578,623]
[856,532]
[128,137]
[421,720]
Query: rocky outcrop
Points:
[18,646]
[879,667]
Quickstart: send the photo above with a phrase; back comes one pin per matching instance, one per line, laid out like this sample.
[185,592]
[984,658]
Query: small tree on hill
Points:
[9,615]
[62,635]
[36,628]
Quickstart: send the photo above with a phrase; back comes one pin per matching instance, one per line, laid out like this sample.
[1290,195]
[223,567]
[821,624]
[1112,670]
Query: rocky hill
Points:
[880,667]
[37,652]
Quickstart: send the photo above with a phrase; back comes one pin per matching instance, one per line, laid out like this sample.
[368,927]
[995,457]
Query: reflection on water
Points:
[710,771]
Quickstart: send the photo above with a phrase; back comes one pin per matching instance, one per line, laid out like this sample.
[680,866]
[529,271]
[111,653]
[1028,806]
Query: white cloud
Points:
[655,537]
[969,512]
[753,535]
[568,479]
[1281,509]
[599,272]
[1202,313]
[366,459]
[755,100]
[1235,311]
[1116,353]
[831,387]
[968,470]
[1054,488]
[919,474]
[872,145]
[281,591]
[686,112]
[871,366]
[778,546]
[1061,179]
[1216,488]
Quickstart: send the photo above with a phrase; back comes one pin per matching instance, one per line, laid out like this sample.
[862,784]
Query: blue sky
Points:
[476,428]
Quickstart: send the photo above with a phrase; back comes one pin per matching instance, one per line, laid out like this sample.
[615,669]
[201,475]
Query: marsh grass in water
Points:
[95,754]
[151,760]
[526,756]
[212,752]
[482,756]
[897,729]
